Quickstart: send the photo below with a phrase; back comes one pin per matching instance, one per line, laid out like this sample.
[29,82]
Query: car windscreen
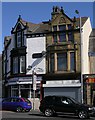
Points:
[26,100]
[75,101]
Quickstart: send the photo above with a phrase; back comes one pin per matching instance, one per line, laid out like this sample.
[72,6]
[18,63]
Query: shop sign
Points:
[90,80]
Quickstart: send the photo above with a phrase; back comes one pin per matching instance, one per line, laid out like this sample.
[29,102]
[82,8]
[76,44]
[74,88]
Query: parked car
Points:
[52,105]
[16,104]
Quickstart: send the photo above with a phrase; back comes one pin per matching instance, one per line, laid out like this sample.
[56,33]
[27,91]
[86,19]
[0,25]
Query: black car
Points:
[52,105]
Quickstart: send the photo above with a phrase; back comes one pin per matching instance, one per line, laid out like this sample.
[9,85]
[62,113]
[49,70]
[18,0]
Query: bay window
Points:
[22,64]
[72,63]
[19,65]
[52,62]
[61,61]
[15,65]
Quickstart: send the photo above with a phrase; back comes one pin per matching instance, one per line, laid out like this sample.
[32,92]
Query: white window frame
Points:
[19,39]
[15,65]
[22,64]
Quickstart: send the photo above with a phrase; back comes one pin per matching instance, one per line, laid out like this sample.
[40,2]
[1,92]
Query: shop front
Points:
[70,88]
[89,89]
[23,87]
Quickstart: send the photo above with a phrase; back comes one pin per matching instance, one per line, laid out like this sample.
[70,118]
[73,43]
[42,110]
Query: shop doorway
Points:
[25,93]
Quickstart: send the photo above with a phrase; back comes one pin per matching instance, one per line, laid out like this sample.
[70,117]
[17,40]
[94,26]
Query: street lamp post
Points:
[81,54]
[34,78]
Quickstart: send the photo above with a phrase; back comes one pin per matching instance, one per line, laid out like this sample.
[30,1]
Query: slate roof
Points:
[45,27]
[35,28]
[7,39]
[83,19]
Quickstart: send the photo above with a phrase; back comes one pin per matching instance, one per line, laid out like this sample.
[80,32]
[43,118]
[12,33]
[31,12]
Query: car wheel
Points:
[82,114]
[27,110]
[48,112]
[19,109]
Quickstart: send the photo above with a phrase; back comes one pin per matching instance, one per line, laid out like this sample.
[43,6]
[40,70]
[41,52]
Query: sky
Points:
[37,12]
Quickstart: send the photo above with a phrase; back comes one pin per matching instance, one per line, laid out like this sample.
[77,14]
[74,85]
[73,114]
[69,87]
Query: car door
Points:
[13,104]
[67,105]
[6,104]
[57,104]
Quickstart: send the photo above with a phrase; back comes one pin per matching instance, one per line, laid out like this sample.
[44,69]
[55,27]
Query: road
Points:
[8,115]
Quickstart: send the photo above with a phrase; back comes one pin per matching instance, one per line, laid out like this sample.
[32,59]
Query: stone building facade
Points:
[60,70]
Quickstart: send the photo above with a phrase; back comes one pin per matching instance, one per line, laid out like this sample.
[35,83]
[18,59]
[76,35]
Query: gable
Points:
[61,19]
[19,25]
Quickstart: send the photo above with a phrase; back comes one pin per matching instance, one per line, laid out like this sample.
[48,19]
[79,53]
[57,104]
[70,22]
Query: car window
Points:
[13,100]
[57,100]
[7,100]
[25,100]
[66,101]
[19,100]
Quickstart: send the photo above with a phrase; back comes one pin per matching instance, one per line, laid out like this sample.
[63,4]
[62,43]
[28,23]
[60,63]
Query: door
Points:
[6,104]
[68,105]
[64,105]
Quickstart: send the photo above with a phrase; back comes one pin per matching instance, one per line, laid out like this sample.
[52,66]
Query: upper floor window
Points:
[19,36]
[70,36]
[52,62]
[72,63]
[69,26]
[61,61]
[19,64]
[54,28]
[15,65]
[62,37]
[18,39]
[62,27]
[22,64]
[55,38]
